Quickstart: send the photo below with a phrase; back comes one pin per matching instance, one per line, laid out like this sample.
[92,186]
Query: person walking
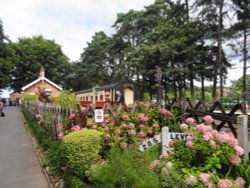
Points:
[1,108]
[120,98]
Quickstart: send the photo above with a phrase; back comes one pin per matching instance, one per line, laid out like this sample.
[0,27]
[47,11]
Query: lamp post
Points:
[95,89]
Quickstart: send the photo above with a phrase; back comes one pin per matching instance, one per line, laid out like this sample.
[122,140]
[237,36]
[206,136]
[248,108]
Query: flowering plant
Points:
[206,158]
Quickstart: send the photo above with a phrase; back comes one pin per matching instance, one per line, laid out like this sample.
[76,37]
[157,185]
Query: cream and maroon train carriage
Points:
[107,94]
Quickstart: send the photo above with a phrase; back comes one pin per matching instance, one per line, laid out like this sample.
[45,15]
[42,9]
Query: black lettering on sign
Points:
[144,146]
[177,136]
[171,137]
[155,140]
[149,143]
[182,136]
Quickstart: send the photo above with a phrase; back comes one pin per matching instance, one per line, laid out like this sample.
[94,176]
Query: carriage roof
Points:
[105,87]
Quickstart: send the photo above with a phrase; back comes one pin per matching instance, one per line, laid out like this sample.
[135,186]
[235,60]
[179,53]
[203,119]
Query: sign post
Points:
[165,138]
[99,116]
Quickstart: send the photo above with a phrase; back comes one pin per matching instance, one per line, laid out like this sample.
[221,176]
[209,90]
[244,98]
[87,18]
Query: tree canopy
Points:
[163,48]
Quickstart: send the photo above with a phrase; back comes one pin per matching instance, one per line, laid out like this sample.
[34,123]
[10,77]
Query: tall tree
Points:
[241,31]
[5,59]
[213,13]
[96,62]
[31,54]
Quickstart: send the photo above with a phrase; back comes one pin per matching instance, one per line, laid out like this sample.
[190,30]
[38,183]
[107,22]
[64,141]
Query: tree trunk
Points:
[202,88]
[244,84]
[219,50]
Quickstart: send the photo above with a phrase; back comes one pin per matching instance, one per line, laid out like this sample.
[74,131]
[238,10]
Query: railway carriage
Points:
[106,93]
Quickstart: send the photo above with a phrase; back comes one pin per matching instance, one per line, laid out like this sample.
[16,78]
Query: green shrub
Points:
[125,168]
[73,182]
[29,97]
[36,130]
[80,150]
[52,157]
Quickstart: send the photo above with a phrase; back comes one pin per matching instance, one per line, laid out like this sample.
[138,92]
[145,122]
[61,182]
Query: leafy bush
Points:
[208,158]
[126,168]
[73,182]
[29,97]
[67,99]
[39,132]
[80,149]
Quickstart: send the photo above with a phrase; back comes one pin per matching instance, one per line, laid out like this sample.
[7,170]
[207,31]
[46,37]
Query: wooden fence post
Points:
[242,129]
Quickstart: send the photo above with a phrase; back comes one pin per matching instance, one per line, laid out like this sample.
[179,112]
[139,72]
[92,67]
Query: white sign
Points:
[99,115]
[165,137]
[150,142]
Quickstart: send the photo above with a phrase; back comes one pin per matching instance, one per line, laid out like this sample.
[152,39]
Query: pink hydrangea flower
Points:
[239,150]
[124,125]
[89,123]
[117,131]
[107,136]
[142,134]
[240,182]
[165,112]
[191,180]
[72,116]
[60,135]
[224,183]
[204,177]
[131,133]
[123,145]
[164,170]
[150,131]
[207,136]
[164,155]
[76,128]
[142,126]
[189,121]
[169,164]
[142,117]
[235,160]
[208,119]
[189,144]
[125,117]
[155,125]
[184,126]
[131,126]
[106,128]
[154,164]
[189,138]
[212,143]
[59,126]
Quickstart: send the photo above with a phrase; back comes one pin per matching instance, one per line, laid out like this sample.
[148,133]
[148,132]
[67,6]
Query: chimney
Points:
[42,72]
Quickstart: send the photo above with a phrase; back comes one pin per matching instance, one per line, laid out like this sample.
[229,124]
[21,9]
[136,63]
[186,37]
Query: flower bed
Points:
[207,159]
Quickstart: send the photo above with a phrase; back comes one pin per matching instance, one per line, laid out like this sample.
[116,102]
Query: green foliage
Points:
[72,181]
[37,130]
[203,154]
[36,52]
[125,168]
[67,99]
[53,158]
[80,150]
[243,170]
[29,97]
[173,180]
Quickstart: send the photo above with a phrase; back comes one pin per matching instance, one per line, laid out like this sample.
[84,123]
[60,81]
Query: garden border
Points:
[35,147]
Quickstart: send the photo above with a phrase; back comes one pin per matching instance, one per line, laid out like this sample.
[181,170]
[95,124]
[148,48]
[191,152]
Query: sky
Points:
[70,23]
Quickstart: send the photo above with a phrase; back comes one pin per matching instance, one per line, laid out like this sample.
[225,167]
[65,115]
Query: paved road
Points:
[19,165]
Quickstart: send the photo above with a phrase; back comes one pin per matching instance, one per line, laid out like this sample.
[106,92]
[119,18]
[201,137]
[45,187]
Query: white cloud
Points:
[70,23]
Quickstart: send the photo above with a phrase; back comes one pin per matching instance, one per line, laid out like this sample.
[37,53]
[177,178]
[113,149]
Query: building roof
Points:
[42,78]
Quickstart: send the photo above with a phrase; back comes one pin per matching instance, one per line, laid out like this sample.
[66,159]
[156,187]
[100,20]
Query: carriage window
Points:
[101,97]
[87,98]
[91,98]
